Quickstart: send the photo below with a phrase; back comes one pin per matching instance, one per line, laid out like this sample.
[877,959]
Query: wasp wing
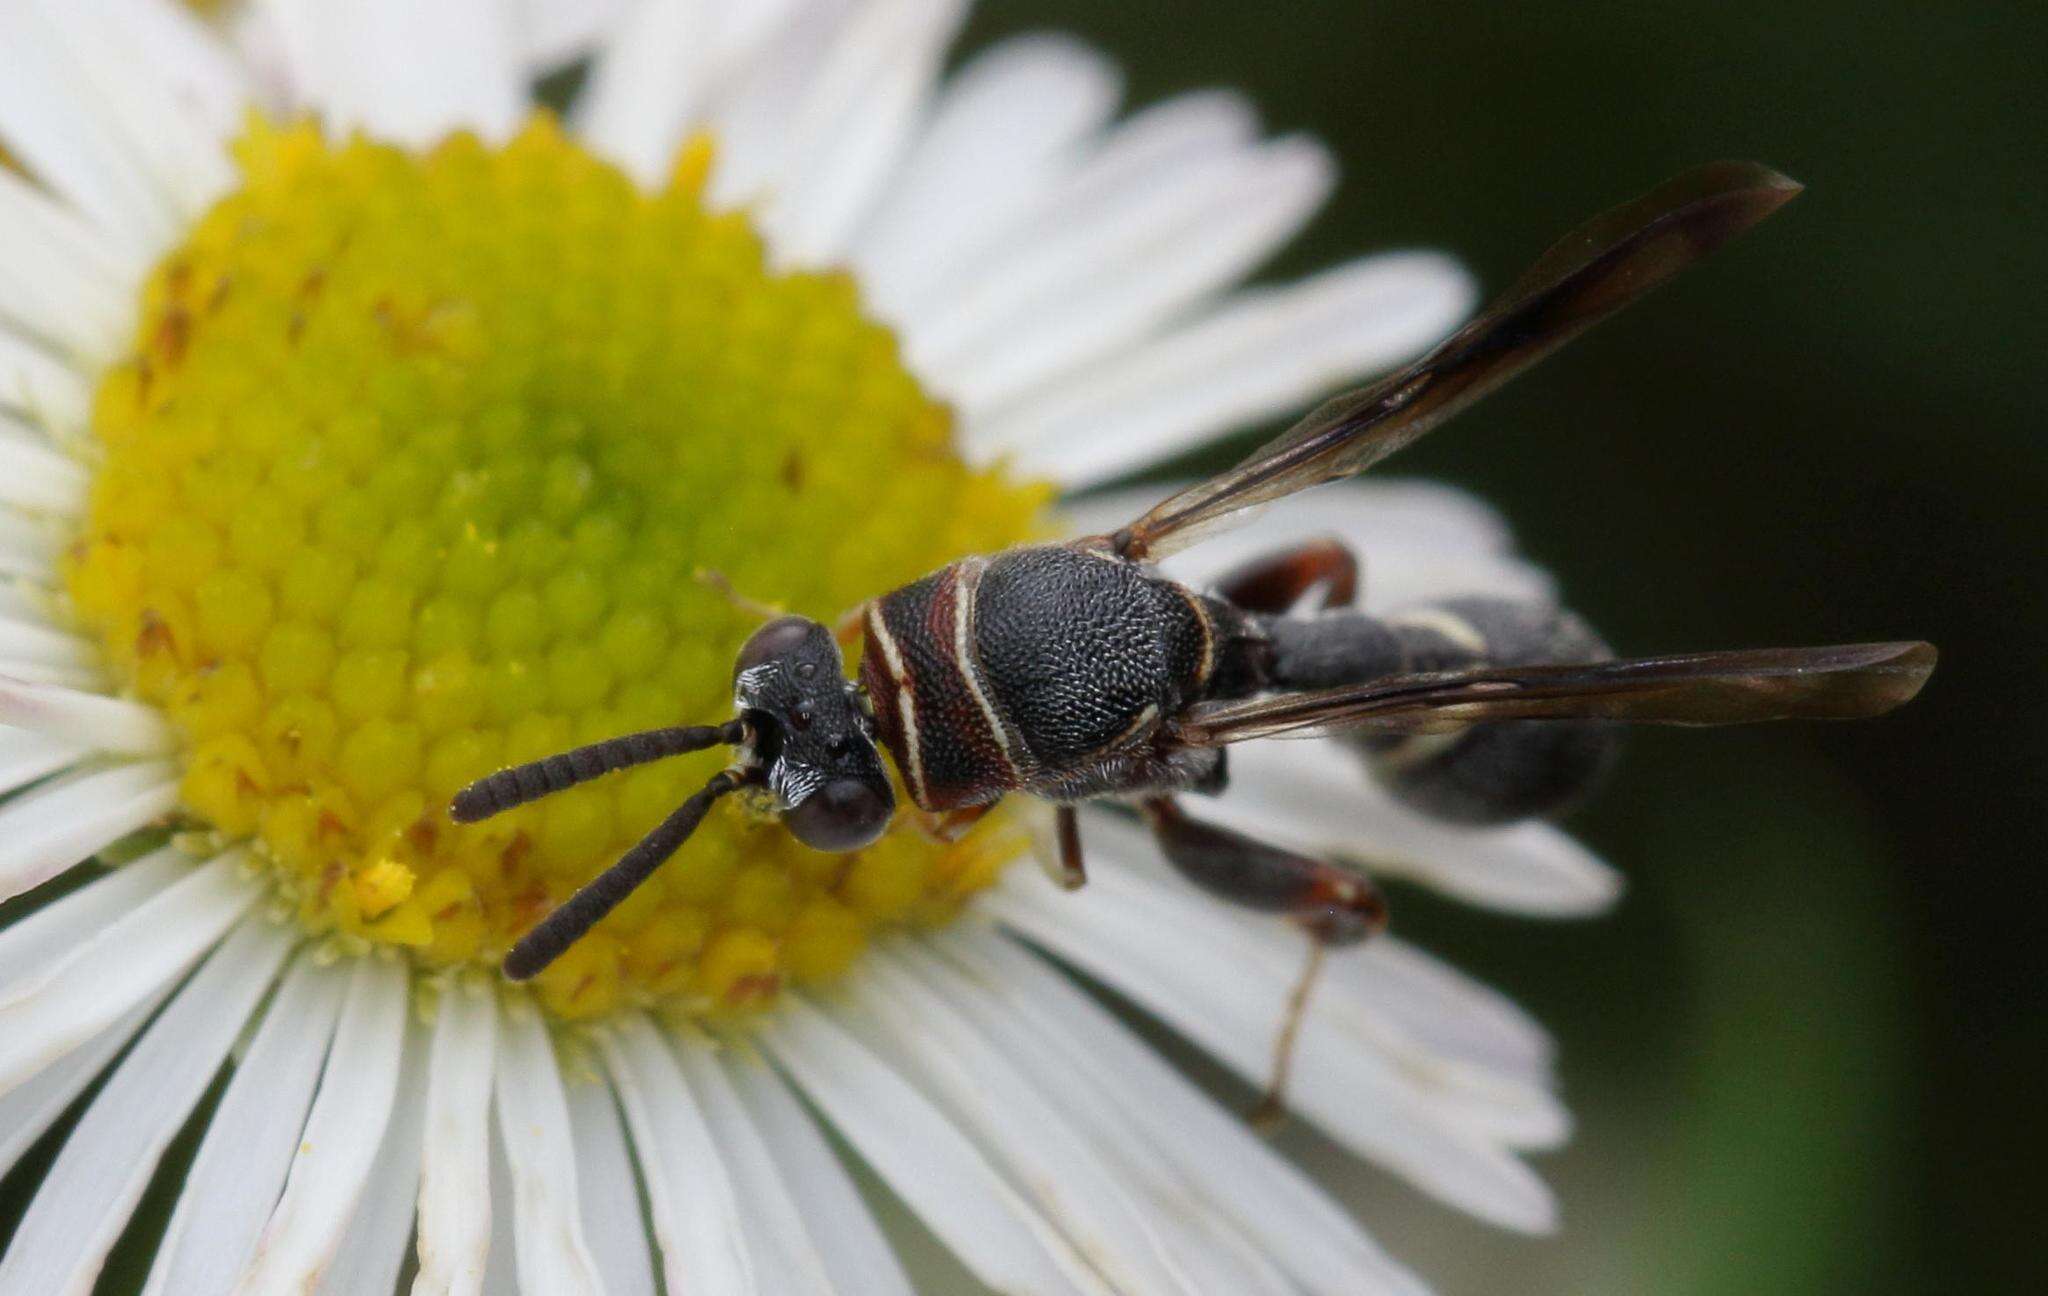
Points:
[1842,682]
[1588,275]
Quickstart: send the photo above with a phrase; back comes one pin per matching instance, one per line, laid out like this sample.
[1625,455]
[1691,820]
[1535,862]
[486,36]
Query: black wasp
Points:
[1074,672]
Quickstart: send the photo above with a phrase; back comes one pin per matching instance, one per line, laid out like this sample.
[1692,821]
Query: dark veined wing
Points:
[1588,275]
[1842,682]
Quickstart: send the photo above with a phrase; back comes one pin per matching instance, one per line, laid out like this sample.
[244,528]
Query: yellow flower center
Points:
[415,472]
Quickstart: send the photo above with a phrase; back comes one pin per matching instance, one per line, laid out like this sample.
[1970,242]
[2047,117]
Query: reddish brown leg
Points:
[1278,581]
[1334,906]
[1338,906]
[950,825]
[847,630]
[1071,872]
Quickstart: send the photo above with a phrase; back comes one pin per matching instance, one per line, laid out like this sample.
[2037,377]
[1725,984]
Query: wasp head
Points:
[810,736]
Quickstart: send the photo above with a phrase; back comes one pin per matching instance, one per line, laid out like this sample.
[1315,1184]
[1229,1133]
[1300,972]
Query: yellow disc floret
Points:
[417,470]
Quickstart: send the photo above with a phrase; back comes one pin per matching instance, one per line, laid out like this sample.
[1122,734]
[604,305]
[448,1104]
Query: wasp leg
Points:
[1070,870]
[848,629]
[1279,580]
[1338,906]
[1271,1111]
[950,825]
[1332,906]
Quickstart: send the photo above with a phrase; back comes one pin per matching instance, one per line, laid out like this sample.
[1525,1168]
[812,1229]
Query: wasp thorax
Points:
[810,736]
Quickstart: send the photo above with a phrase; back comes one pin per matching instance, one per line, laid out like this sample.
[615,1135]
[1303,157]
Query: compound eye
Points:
[844,815]
[779,638]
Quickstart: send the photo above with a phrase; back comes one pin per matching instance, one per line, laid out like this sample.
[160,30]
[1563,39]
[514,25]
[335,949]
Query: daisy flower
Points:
[364,428]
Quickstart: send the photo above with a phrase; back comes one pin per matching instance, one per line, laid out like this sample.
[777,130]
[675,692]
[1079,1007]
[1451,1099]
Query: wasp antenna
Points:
[712,578]
[499,792]
[602,894]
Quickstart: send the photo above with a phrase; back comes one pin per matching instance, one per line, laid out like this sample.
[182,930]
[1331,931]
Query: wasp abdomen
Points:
[1488,773]
[1497,773]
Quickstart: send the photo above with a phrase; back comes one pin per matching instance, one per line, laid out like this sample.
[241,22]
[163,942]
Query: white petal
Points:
[750,120]
[26,757]
[350,1113]
[56,124]
[37,386]
[1227,1166]
[34,477]
[852,125]
[51,288]
[200,70]
[1267,353]
[407,72]
[689,1196]
[33,641]
[1444,1009]
[1143,271]
[834,1215]
[656,73]
[372,1252]
[239,1170]
[287,44]
[744,32]
[1164,138]
[918,1151]
[104,723]
[55,1008]
[38,944]
[455,1219]
[34,1107]
[554,32]
[1316,797]
[1511,1105]
[1223,1261]
[71,677]
[1005,127]
[50,828]
[1050,1160]
[26,602]
[501,1268]
[84,1201]
[28,548]
[1152,149]
[611,1196]
[1163,949]
[785,1259]
[1190,130]
[88,260]
[132,76]
[1099,274]
[533,1117]
[645,84]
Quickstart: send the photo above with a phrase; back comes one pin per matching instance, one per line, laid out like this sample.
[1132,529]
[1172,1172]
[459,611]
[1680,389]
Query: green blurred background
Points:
[1807,1050]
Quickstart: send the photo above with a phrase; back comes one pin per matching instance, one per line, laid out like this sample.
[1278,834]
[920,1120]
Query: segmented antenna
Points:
[602,894]
[499,792]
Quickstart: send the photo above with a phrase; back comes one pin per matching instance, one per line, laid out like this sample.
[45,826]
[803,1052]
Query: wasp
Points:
[1078,672]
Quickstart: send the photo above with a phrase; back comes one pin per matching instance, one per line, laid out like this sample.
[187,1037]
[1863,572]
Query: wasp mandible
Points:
[1076,672]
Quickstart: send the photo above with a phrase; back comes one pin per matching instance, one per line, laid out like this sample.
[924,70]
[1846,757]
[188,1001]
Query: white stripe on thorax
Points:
[965,584]
[906,702]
